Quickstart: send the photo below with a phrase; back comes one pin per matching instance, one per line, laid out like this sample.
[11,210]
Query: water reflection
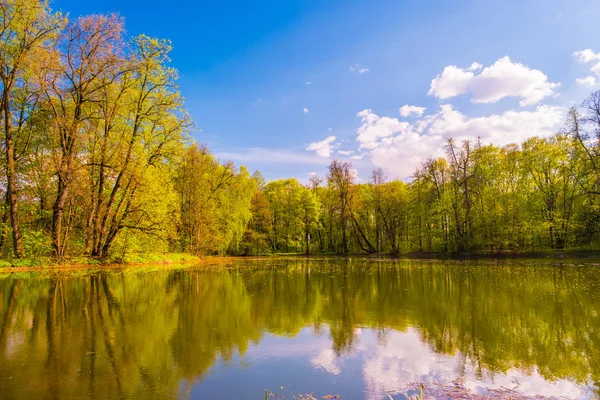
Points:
[402,358]
[355,328]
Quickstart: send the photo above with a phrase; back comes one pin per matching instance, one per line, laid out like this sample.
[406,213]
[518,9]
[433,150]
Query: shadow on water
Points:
[159,334]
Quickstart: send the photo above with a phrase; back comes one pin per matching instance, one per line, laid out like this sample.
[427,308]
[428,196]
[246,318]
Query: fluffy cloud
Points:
[399,147]
[452,82]
[374,128]
[588,56]
[358,68]
[499,129]
[475,67]
[323,148]
[305,110]
[502,79]
[589,81]
[407,111]
[354,174]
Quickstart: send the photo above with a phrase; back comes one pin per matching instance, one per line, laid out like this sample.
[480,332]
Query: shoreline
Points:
[83,263]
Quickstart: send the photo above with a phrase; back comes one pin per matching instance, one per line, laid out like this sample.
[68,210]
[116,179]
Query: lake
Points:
[355,328]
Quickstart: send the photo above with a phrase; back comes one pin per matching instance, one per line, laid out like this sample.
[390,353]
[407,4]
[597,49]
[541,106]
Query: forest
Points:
[99,161]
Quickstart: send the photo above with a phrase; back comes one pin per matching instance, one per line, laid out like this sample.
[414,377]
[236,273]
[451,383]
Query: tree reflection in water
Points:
[134,333]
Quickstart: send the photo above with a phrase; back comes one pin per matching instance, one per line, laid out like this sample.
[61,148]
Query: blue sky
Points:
[267,80]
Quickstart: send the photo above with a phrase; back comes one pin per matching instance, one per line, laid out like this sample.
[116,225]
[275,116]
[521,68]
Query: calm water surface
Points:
[355,328]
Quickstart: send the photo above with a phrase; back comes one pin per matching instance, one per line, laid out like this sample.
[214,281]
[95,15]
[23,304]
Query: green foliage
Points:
[36,243]
[215,203]
[98,163]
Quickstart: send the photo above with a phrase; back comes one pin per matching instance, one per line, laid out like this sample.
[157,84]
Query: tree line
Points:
[542,194]
[98,161]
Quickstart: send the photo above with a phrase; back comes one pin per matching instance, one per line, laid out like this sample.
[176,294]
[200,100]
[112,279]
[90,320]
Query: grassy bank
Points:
[132,259]
[558,254]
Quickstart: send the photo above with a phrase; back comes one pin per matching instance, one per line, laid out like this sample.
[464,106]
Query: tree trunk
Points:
[370,248]
[4,232]
[58,211]
[307,243]
[10,178]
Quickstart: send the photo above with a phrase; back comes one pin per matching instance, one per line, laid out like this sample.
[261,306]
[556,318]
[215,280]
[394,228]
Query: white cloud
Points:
[475,67]
[309,83]
[305,110]
[502,79]
[499,129]
[407,111]
[452,82]
[354,174]
[588,56]
[271,156]
[374,128]
[587,81]
[345,152]
[402,154]
[323,148]
[358,68]
[400,147]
